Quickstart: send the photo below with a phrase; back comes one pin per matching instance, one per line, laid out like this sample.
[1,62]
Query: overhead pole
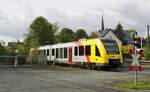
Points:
[148,44]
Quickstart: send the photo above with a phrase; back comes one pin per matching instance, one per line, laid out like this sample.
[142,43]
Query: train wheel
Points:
[86,65]
[93,67]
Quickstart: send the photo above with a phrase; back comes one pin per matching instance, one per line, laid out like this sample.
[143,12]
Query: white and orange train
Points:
[90,53]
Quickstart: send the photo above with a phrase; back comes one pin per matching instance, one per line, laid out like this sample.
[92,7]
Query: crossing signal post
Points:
[135,64]
[138,42]
[136,52]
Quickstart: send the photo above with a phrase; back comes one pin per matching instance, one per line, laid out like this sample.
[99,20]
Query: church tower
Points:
[102,25]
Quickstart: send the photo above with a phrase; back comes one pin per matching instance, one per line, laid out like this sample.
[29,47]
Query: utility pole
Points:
[148,44]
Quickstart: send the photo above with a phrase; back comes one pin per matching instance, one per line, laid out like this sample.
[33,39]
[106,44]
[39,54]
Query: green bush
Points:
[126,56]
[39,59]
[125,52]
[21,60]
[146,53]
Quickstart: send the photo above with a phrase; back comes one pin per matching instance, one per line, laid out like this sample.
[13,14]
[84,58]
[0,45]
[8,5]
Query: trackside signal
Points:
[135,66]
[135,55]
[137,41]
[136,52]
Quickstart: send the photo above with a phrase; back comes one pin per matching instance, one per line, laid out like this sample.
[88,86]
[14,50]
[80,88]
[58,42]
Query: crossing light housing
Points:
[137,41]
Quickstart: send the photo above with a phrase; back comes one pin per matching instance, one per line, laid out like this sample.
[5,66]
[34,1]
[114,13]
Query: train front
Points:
[112,55]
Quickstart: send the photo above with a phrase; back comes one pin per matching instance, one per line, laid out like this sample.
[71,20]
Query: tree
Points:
[56,28]
[2,50]
[30,40]
[147,44]
[80,33]
[132,33]
[93,35]
[118,32]
[41,32]
[66,35]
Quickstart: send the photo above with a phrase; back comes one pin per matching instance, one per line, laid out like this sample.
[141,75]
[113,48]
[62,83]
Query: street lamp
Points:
[16,60]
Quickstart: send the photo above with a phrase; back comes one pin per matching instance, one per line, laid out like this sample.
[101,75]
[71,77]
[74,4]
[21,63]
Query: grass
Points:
[62,68]
[129,85]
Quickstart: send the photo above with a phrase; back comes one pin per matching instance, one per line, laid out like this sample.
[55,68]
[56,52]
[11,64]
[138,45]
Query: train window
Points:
[44,52]
[65,52]
[88,50]
[47,51]
[61,52]
[76,51]
[53,52]
[111,46]
[81,50]
[57,54]
[39,52]
[97,51]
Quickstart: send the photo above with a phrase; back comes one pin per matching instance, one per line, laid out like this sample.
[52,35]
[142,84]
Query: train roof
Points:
[44,47]
[69,43]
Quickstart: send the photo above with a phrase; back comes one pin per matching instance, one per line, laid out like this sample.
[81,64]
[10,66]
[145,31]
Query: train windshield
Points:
[110,46]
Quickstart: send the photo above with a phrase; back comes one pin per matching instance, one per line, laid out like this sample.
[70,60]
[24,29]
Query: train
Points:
[89,53]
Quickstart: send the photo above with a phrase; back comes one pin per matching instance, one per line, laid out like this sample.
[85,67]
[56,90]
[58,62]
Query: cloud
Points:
[133,14]
[16,15]
[11,26]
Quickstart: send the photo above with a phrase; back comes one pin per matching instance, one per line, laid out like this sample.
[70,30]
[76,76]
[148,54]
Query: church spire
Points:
[102,26]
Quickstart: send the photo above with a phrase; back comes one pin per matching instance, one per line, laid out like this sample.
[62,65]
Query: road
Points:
[43,80]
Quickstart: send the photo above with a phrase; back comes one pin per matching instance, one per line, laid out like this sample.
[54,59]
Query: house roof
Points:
[104,32]
[125,32]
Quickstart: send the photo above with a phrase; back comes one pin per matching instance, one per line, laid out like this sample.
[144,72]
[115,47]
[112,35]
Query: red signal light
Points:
[131,68]
[131,51]
[140,52]
[140,68]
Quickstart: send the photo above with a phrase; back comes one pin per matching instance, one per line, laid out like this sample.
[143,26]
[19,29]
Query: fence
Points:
[10,60]
[7,60]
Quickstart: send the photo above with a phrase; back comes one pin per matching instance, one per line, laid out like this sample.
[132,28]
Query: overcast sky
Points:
[16,15]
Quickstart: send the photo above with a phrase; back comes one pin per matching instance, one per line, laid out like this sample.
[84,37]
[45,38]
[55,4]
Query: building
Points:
[2,42]
[109,33]
[11,44]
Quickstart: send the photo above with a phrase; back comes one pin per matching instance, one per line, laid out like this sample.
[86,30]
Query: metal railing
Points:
[22,61]
[11,60]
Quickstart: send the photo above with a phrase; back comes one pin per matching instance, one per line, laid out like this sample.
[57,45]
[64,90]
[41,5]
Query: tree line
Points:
[42,32]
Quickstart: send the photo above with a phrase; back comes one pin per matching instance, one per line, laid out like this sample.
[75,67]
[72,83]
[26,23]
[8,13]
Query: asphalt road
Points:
[43,80]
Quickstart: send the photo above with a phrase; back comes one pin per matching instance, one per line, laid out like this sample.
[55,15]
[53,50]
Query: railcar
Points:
[90,53]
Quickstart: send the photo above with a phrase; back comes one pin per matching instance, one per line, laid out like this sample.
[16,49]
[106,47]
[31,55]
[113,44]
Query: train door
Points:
[70,56]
